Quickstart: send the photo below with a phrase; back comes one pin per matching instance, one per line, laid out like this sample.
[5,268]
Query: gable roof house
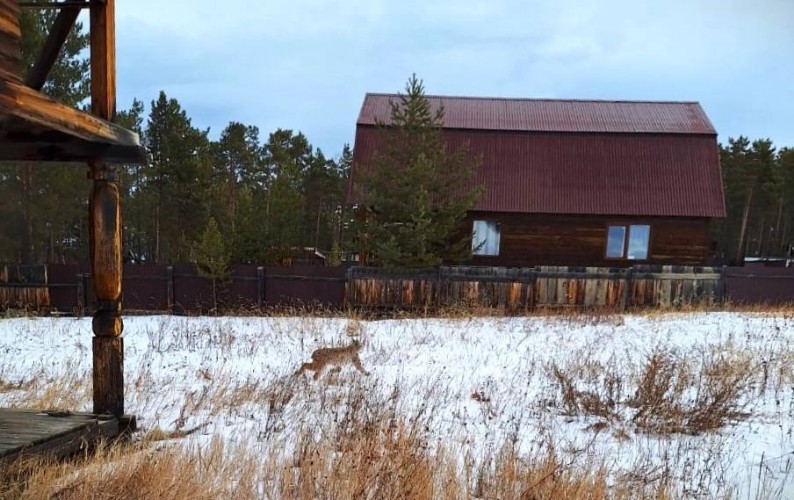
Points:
[577,182]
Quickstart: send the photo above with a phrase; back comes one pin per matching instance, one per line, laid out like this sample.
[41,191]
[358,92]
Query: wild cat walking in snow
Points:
[335,356]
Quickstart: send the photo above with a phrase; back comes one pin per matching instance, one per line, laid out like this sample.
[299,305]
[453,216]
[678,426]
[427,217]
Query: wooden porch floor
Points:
[56,434]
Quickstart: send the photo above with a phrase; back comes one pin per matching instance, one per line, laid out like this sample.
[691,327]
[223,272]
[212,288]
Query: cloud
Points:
[307,64]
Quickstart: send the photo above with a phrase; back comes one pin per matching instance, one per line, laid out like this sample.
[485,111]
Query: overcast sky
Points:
[306,64]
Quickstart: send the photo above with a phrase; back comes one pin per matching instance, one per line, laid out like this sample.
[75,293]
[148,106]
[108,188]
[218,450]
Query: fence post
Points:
[80,308]
[86,296]
[351,298]
[627,289]
[723,285]
[169,288]
[443,291]
[260,286]
[533,278]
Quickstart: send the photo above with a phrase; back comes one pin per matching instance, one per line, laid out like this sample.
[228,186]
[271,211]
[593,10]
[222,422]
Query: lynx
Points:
[336,356]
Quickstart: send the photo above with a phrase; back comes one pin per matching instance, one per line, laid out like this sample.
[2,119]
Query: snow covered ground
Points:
[473,383]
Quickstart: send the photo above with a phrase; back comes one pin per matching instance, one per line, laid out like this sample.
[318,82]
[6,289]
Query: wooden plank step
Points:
[31,432]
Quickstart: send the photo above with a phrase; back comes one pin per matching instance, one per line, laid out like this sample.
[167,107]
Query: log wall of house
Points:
[580,240]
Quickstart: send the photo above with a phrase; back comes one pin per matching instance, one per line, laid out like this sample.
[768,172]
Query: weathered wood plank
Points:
[512,289]
[10,34]
[20,101]
[31,432]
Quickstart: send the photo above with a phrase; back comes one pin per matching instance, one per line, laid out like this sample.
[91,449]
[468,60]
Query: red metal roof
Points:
[582,170]
[554,115]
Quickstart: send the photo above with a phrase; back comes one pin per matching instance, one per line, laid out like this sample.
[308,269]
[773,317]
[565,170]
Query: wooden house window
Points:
[635,247]
[616,238]
[485,238]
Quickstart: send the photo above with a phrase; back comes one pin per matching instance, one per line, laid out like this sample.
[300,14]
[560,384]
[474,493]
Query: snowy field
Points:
[703,401]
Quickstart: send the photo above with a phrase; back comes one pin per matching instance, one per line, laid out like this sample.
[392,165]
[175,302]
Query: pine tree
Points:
[342,216]
[177,181]
[44,205]
[786,215]
[418,189]
[211,258]
[237,162]
[132,188]
[288,156]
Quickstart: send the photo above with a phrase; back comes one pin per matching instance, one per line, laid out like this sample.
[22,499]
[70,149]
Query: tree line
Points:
[246,198]
[265,195]
[758,183]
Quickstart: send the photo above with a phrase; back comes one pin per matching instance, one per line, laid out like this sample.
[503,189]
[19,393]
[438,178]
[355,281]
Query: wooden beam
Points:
[32,147]
[103,59]
[63,24]
[20,101]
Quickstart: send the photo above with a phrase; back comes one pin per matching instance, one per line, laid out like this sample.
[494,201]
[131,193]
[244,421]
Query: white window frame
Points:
[622,237]
[485,238]
[629,241]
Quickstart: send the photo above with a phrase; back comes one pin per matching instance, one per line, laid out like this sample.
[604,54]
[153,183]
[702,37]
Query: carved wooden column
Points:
[106,264]
[105,224]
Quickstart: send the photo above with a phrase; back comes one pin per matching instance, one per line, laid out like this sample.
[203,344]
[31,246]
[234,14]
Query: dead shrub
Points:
[600,399]
[669,399]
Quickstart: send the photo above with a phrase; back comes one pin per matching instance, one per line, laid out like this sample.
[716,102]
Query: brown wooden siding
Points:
[570,240]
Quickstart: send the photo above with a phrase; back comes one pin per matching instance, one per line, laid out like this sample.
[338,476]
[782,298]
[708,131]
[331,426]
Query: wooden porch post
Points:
[105,224]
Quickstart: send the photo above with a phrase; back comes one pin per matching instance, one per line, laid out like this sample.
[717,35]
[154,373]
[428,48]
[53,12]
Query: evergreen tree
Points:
[763,158]
[343,231]
[132,188]
[238,162]
[785,219]
[323,188]
[418,189]
[737,180]
[288,157]
[250,245]
[46,205]
[177,181]
[212,258]
[759,196]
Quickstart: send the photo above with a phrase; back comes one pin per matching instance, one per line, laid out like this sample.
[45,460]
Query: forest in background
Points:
[256,199]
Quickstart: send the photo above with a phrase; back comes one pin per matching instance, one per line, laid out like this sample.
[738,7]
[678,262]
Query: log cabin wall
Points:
[580,240]
[10,55]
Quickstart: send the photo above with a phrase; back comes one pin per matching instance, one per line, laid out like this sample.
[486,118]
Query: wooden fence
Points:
[516,289]
[24,287]
[179,289]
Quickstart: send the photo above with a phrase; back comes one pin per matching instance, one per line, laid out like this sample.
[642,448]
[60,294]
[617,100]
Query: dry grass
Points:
[118,472]
[380,461]
[42,393]
[673,394]
[671,399]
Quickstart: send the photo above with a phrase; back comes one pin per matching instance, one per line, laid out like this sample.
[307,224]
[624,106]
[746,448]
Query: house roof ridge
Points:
[539,99]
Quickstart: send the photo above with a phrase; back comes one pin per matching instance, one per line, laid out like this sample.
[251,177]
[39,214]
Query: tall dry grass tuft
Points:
[377,462]
[117,472]
[542,475]
[672,394]
[70,391]
[674,397]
